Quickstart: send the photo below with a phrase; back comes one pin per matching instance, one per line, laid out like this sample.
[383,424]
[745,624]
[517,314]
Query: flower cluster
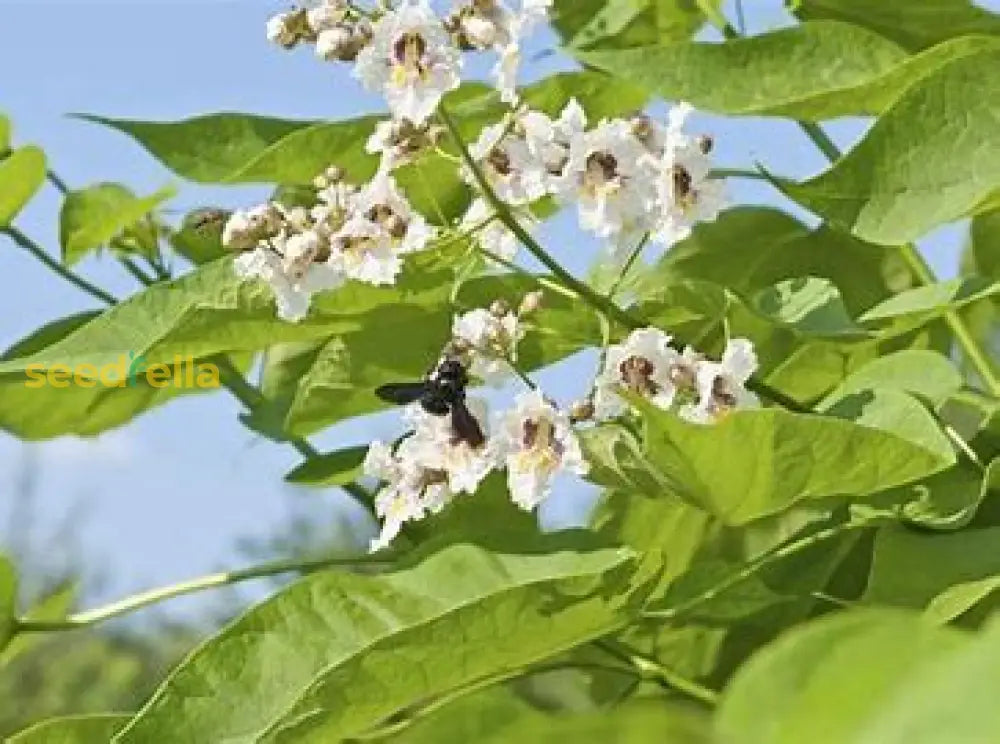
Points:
[434,462]
[628,177]
[351,233]
[700,389]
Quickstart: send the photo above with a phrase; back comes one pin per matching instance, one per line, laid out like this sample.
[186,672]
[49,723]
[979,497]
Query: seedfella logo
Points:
[129,370]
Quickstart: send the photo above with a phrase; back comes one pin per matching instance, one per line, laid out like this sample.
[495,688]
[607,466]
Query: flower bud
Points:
[705,143]
[582,410]
[326,16]
[279,31]
[531,303]
[338,43]
[499,308]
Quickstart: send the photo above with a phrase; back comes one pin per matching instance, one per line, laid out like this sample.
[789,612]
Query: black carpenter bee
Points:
[441,393]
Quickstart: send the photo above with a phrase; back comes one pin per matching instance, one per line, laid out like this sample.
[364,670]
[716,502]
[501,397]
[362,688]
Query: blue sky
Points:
[170,495]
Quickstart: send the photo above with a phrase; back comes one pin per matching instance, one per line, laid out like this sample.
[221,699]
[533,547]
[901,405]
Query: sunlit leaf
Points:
[866,676]
[916,24]
[93,216]
[342,652]
[793,457]
[930,159]
[22,173]
[73,730]
[782,65]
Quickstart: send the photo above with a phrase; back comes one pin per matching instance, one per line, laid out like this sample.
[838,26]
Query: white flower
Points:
[685,193]
[326,15]
[514,173]
[549,141]
[611,176]
[411,491]
[293,269]
[381,228]
[495,237]
[721,386]
[399,142]
[491,24]
[538,442]
[645,364]
[436,447]
[411,60]
[492,342]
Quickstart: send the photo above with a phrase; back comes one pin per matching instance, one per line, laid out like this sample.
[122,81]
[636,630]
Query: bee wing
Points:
[465,425]
[401,393]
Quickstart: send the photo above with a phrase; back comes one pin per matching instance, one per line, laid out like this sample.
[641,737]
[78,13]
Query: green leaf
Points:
[59,395]
[916,25]
[22,173]
[985,243]
[335,654]
[4,133]
[926,374]
[944,574]
[91,217]
[332,469]
[794,457]
[496,716]
[748,249]
[863,72]
[809,305]
[865,676]
[617,461]
[931,158]
[73,730]
[932,301]
[8,600]
[625,23]
[243,148]
[210,311]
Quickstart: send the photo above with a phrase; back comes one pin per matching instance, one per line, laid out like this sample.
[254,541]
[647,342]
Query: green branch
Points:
[606,307]
[752,568]
[192,586]
[38,252]
[649,668]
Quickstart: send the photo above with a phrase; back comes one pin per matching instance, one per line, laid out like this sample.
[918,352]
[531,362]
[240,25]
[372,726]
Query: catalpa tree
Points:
[794,426]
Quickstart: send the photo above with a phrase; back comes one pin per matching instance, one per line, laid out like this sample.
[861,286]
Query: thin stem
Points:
[604,306]
[38,252]
[522,375]
[741,20]
[738,173]
[132,268]
[541,281]
[504,214]
[821,139]
[192,586]
[230,377]
[973,351]
[627,266]
[650,668]
[59,184]
[752,568]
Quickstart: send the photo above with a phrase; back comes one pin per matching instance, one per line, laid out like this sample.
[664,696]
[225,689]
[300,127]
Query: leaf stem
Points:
[752,568]
[973,351]
[627,267]
[649,668]
[192,586]
[141,276]
[38,252]
[230,377]
[534,247]
[603,305]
